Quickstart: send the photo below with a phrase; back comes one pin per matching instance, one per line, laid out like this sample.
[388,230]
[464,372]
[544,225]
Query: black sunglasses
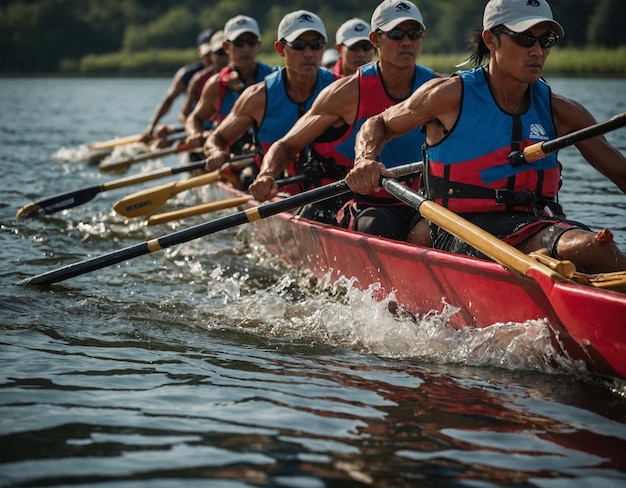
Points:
[365,45]
[546,41]
[301,44]
[250,41]
[398,34]
[220,52]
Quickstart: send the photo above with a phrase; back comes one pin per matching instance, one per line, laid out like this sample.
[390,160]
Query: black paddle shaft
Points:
[541,149]
[74,198]
[201,230]
[249,215]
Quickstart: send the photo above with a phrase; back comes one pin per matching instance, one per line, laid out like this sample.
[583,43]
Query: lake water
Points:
[208,364]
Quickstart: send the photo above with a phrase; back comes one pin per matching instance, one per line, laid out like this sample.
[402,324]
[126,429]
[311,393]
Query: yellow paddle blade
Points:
[146,201]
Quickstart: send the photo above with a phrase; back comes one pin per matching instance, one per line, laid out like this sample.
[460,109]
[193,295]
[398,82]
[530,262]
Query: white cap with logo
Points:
[298,22]
[519,15]
[353,31]
[240,25]
[390,13]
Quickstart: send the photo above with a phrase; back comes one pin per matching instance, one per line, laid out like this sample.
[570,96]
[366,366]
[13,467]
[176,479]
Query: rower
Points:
[177,87]
[397,30]
[353,47]
[476,119]
[274,105]
[242,43]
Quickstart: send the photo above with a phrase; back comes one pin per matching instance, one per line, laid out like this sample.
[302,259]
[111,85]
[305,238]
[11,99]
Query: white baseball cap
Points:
[240,25]
[298,22]
[331,56]
[519,15]
[353,31]
[217,41]
[215,45]
[390,13]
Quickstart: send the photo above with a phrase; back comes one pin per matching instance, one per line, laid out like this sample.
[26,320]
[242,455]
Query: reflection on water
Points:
[212,362]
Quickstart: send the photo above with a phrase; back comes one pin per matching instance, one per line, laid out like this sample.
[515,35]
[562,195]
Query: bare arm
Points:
[247,110]
[335,106]
[204,110]
[192,96]
[176,88]
[570,116]
[435,105]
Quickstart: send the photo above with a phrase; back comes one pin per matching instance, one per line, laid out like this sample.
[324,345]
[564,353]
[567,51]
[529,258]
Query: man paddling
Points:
[274,105]
[178,86]
[219,60]
[242,42]
[397,30]
[353,47]
[474,120]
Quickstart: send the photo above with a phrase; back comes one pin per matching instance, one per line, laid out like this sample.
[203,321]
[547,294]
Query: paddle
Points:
[121,141]
[123,164]
[111,143]
[146,201]
[213,206]
[542,149]
[95,157]
[75,198]
[100,154]
[249,215]
[197,210]
[482,240]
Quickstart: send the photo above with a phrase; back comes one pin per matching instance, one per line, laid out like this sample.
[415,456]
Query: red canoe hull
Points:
[588,323]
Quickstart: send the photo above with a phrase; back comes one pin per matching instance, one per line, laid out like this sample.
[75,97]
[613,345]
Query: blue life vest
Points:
[469,169]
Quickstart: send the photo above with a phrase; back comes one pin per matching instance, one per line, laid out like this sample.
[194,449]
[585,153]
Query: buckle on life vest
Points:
[503,196]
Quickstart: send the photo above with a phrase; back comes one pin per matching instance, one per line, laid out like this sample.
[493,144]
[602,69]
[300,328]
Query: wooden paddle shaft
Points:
[197,210]
[542,149]
[482,240]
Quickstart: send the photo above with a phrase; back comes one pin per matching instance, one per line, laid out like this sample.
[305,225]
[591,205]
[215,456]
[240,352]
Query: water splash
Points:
[341,315]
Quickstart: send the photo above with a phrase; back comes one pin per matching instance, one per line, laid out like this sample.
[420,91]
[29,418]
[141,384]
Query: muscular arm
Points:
[248,109]
[435,105]
[335,106]
[204,110]
[570,116]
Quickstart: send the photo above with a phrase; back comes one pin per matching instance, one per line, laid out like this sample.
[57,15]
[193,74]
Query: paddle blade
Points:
[60,202]
[96,157]
[145,201]
[27,210]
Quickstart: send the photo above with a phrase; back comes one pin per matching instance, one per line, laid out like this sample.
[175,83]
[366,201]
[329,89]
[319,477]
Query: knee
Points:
[420,234]
[590,251]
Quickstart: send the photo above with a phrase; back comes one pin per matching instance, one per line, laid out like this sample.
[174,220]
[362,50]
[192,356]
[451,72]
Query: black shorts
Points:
[393,221]
[502,225]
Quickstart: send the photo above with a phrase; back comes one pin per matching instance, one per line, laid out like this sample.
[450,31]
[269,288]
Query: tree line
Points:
[54,36]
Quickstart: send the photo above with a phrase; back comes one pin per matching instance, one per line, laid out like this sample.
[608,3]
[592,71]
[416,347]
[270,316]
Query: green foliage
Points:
[587,62]
[65,35]
[177,28]
[147,62]
[606,26]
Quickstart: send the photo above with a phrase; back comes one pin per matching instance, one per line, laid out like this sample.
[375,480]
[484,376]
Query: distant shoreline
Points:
[566,62]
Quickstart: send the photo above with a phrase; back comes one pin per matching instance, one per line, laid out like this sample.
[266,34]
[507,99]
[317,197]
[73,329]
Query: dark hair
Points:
[479,52]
